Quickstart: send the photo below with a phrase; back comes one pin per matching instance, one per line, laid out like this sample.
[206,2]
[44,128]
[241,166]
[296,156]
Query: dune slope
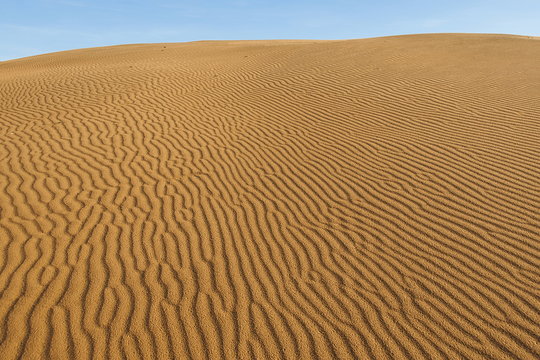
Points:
[361,199]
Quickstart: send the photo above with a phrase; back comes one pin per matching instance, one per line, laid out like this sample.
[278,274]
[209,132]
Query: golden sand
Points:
[361,199]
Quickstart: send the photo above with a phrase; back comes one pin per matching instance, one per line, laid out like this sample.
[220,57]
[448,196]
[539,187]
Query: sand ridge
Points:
[360,199]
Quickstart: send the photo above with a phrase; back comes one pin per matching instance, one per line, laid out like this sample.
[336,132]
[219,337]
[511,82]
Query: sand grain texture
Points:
[362,199]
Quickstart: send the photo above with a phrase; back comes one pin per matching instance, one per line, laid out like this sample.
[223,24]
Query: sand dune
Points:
[361,199]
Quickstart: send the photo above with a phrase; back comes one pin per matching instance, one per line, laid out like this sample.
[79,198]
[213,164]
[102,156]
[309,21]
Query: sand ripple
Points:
[363,199]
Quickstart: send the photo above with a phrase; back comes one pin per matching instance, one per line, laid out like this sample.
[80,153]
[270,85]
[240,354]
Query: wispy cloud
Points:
[44,30]
[73,3]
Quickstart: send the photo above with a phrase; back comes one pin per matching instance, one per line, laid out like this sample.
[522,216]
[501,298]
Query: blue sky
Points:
[30,27]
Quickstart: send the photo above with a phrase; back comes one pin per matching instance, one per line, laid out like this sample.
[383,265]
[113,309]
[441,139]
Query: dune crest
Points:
[360,199]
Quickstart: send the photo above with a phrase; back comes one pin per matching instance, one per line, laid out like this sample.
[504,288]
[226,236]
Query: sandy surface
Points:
[360,199]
